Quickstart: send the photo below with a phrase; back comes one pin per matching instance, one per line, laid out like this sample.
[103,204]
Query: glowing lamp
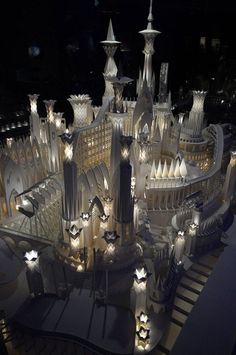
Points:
[31,255]
[126,142]
[80,268]
[141,275]
[66,137]
[58,122]
[107,199]
[31,258]
[68,151]
[75,231]
[143,321]
[125,153]
[143,337]
[192,229]
[110,248]
[104,218]
[142,154]
[85,216]
[110,237]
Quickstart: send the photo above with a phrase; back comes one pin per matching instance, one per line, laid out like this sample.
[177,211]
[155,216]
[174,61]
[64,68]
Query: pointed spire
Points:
[177,171]
[153,171]
[172,169]
[150,17]
[110,33]
[159,170]
[165,171]
[183,168]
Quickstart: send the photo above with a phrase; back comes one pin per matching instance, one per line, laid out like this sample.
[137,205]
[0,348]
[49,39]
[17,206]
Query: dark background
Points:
[71,59]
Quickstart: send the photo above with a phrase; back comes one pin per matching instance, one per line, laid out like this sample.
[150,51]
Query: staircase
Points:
[18,342]
[187,293]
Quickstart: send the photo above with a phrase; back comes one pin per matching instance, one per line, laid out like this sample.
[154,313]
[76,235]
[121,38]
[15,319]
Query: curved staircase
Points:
[188,291]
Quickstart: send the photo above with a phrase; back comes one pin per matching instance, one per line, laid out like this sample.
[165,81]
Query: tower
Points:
[110,46]
[149,35]
[123,200]
[53,154]
[196,115]
[34,117]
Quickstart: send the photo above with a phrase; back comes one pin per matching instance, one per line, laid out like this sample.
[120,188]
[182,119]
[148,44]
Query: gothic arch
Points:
[97,202]
[105,173]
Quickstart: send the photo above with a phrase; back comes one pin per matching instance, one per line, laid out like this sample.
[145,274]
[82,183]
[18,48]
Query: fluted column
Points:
[117,128]
[34,117]
[70,210]
[196,115]
[52,142]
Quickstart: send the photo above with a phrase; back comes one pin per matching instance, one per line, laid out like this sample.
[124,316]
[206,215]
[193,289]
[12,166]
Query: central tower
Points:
[149,35]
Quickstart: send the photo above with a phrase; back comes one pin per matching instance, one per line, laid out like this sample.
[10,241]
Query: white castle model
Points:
[92,188]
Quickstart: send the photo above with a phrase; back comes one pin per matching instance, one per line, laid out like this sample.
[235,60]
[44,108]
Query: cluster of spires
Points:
[175,170]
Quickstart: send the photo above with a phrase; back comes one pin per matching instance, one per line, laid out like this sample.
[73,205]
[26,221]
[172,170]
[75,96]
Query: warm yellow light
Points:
[58,122]
[110,248]
[192,228]
[142,155]
[80,268]
[68,151]
[125,153]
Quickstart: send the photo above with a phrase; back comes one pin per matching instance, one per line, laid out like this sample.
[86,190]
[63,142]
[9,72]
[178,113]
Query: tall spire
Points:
[110,46]
[149,35]
[150,17]
[110,33]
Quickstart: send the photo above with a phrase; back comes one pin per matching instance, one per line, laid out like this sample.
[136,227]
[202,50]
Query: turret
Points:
[123,200]
[110,46]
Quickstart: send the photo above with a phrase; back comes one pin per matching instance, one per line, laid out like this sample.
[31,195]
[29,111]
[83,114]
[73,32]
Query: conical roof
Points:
[159,170]
[177,170]
[172,169]
[153,171]
[183,168]
[165,170]
[110,35]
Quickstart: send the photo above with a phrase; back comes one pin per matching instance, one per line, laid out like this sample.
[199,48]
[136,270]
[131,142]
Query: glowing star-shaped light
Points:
[110,248]
[31,255]
[180,234]
[104,218]
[143,317]
[66,137]
[141,275]
[107,199]
[193,225]
[143,333]
[110,236]
[192,229]
[68,151]
[125,153]
[75,231]
[85,216]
